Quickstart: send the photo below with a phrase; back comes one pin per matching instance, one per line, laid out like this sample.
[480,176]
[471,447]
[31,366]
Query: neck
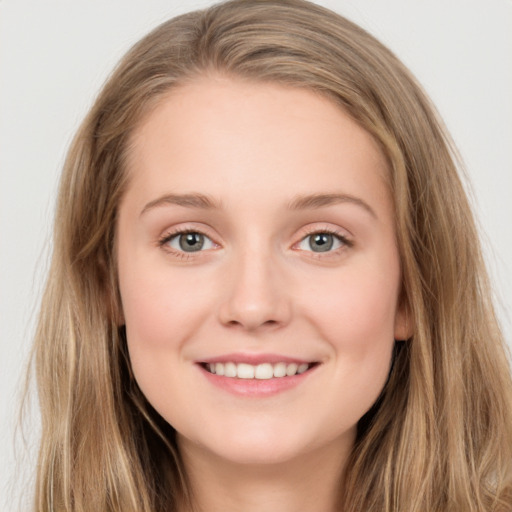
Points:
[309,482]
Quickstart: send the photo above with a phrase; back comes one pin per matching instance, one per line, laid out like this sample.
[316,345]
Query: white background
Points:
[54,55]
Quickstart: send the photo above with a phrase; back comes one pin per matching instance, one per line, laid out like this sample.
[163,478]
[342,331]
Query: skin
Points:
[258,285]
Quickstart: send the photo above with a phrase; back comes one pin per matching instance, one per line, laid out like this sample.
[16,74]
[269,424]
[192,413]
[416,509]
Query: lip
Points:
[256,388]
[254,359]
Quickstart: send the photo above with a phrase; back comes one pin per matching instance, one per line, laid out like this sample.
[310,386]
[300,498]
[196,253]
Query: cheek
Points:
[163,312]
[357,306]
[160,316]
[355,313]
[147,312]
[158,306]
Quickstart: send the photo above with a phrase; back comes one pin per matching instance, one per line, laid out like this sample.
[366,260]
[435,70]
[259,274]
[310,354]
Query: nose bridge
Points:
[256,295]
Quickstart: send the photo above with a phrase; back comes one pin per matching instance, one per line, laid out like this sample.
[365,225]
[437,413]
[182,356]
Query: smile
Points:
[262,371]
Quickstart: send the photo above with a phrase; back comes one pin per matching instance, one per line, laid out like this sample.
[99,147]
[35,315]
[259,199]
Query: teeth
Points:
[291,369]
[280,370]
[244,371]
[230,370]
[262,371]
[302,368]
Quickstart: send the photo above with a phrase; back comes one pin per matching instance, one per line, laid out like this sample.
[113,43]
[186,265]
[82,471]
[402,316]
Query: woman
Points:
[266,291]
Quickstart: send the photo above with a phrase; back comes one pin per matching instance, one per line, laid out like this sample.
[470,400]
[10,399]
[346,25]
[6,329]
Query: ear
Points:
[404,322]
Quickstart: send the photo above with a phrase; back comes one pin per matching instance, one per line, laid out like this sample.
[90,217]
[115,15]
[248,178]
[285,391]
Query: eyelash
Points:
[164,240]
[328,231]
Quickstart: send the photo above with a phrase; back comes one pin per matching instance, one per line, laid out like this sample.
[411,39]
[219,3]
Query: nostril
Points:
[255,325]
[253,311]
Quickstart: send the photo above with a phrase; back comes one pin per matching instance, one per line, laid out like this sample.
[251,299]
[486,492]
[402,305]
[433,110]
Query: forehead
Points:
[222,136]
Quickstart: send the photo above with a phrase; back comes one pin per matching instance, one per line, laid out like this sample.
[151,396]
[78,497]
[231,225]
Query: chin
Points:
[255,454]
[258,453]
[258,444]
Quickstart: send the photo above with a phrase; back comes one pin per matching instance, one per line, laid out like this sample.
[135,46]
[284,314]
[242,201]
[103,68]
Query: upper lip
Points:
[254,359]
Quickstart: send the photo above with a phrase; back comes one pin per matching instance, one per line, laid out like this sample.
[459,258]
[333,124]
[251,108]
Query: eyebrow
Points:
[200,201]
[314,201]
[302,202]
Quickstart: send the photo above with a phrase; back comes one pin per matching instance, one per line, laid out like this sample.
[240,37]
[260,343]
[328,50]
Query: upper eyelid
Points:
[315,231]
[336,231]
[171,232]
[165,239]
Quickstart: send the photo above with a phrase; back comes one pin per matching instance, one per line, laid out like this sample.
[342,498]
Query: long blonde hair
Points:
[440,437]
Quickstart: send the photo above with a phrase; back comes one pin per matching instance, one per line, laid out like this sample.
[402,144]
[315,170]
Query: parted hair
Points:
[439,438]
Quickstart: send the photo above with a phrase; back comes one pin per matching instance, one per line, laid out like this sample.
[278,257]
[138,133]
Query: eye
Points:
[188,241]
[323,241]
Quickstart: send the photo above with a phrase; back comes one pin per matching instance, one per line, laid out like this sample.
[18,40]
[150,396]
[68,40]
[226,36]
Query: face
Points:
[258,269]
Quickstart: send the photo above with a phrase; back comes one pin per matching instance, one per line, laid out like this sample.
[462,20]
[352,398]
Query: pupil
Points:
[321,242]
[191,242]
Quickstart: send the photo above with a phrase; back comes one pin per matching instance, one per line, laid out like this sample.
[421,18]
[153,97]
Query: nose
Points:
[256,296]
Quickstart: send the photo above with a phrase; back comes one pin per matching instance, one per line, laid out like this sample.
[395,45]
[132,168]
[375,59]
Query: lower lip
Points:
[256,387]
